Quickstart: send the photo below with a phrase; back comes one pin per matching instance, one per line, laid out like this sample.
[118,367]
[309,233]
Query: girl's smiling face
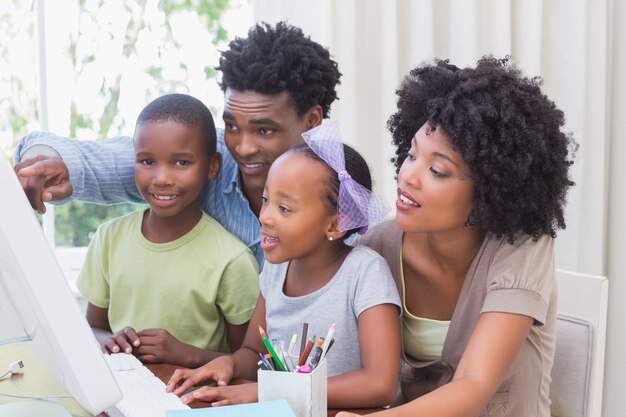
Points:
[435,192]
[295,218]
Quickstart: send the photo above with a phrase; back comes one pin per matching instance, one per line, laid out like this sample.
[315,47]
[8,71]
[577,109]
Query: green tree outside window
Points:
[143,35]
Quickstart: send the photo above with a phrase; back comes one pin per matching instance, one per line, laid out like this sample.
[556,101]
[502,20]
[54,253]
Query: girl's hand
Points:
[219,370]
[224,395]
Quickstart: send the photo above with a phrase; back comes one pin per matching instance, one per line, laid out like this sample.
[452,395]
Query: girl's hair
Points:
[506,130]
[356,167]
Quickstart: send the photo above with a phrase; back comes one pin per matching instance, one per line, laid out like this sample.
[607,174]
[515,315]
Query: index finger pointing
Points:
[47,168]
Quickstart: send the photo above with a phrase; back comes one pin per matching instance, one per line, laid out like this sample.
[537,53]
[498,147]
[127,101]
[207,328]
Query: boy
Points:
[151,269]
[277,84]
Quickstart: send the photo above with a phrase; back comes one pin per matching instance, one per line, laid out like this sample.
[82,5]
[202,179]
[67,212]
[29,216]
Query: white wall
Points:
[615,369]
[577,46]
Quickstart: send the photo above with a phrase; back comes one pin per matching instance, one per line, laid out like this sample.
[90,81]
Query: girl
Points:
[483,174]
[314,199]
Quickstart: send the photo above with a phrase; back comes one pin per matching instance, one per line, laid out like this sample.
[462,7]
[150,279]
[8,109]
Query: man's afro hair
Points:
[281,58]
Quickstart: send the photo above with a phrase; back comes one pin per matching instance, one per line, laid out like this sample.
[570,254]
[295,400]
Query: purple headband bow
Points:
[357,207]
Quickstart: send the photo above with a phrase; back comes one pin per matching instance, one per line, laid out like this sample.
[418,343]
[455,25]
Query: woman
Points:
[482,178]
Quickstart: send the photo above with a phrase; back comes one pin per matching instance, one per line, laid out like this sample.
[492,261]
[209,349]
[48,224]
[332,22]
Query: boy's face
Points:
[172,165]
[258,128]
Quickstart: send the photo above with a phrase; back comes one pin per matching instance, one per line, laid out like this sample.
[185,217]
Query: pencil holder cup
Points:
[305,393]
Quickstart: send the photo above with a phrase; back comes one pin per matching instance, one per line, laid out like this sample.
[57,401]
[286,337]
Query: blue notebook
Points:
[276,408]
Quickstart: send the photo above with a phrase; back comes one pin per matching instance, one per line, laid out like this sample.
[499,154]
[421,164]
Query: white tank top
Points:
[422,338]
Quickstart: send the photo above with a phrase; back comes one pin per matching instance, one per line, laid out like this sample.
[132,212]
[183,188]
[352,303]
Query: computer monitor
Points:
[36,303]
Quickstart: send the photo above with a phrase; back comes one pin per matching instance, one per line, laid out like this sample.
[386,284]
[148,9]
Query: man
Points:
[277,84]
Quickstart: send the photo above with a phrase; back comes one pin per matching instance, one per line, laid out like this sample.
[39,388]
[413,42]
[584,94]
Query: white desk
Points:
[35,379]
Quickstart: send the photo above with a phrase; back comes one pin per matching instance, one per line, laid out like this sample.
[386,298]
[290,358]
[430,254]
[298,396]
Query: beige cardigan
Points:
[516,278]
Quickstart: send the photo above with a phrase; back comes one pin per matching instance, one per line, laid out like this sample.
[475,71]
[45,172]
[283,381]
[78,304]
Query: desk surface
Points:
[38,380]
[35,380]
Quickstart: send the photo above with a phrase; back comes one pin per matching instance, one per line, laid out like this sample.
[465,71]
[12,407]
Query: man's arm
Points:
[100,171]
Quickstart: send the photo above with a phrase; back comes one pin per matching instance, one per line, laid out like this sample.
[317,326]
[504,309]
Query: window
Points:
[85,69]
[101,63]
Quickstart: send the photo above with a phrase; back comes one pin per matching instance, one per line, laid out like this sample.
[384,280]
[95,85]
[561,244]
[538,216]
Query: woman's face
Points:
[435,192]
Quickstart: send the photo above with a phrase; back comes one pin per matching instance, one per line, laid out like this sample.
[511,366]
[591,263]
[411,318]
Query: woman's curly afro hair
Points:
[281,58]
[506,130]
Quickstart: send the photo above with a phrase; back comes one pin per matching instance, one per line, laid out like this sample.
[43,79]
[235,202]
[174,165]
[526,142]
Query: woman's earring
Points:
[330,238]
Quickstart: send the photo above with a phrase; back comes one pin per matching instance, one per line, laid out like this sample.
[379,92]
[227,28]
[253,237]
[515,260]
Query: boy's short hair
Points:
[184,109]
[273,59]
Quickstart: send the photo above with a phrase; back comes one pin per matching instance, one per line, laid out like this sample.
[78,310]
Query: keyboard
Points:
[144,394]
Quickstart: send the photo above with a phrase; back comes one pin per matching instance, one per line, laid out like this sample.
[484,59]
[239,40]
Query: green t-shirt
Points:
[192,286]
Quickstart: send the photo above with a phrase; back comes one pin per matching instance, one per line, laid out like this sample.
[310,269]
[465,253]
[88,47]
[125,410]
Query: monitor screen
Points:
[37,305]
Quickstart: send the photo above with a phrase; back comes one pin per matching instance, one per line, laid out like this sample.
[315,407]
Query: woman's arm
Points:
[374,385]
[492,348]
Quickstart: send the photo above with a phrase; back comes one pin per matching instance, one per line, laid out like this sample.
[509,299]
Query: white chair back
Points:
[578,370]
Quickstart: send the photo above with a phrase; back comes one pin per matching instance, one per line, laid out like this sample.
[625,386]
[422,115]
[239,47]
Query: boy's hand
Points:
[44,179]
[228,395]
[159,346]
[123,341]
[219,370]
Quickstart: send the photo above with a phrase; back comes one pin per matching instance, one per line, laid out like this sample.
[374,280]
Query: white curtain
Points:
[577,46]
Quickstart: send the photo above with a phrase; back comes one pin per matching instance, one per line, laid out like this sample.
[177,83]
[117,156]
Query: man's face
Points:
[258,128]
